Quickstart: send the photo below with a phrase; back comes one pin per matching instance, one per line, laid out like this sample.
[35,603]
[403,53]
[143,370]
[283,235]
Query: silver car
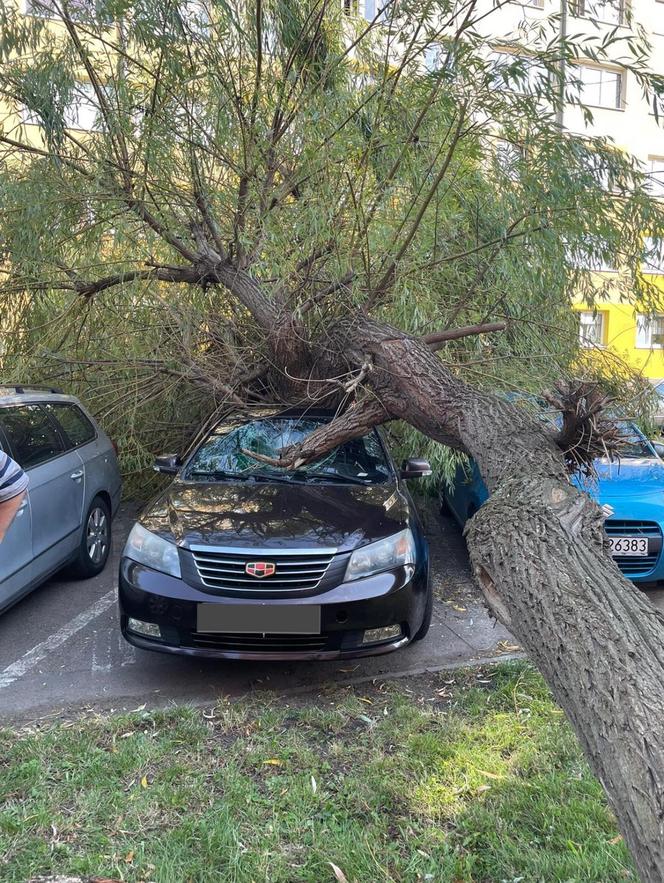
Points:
[74,490]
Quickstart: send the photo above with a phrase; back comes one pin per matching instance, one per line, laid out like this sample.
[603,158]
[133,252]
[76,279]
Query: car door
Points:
[15,552]
[467,493]
[79,433]
[56,485]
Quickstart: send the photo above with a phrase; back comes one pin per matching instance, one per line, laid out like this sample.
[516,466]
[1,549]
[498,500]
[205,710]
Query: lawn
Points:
[470,776]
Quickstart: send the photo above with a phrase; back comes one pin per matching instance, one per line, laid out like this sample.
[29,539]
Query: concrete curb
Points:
[74,712]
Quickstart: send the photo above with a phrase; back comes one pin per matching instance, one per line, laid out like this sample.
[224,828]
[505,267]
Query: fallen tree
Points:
[288,202]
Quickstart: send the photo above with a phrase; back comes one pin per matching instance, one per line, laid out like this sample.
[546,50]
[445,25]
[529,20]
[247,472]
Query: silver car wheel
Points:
[97,535]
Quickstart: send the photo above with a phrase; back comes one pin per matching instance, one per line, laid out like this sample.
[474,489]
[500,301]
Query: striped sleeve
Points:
[13,480]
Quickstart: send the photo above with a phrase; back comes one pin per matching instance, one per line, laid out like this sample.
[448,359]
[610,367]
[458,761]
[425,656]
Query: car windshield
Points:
[227,454]
[633,445]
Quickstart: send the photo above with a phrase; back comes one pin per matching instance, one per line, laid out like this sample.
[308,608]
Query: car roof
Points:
[28,395]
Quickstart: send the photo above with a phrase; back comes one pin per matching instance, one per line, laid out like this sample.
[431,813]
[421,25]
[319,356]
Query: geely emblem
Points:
[260,569]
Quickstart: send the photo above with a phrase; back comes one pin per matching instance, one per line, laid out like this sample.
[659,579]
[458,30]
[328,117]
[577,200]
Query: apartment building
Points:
[620,112]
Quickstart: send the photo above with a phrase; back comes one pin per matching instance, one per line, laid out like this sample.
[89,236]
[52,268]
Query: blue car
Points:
[631,493]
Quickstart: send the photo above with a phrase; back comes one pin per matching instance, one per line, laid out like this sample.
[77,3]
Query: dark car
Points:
[238,559]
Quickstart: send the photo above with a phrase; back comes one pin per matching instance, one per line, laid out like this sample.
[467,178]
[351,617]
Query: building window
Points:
[78,9]
[656,175]
[433,57]
[83,111]
[592,328]
[653,255]
[350,7]
[379,10]
[509,158]
[609,11]
[585,260]
[517,73]
[599,86]
[649,332]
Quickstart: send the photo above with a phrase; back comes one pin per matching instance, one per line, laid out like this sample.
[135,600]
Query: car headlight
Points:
[147,548]
[391,552]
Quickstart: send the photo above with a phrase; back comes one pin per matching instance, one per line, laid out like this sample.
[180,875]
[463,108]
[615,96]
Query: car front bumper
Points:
[396,597]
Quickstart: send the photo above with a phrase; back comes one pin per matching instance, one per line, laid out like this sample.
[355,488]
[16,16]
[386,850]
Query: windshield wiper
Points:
[326,476]
[262,476]
[219,475]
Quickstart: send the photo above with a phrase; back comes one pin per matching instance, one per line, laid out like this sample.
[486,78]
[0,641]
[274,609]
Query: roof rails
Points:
[31,387]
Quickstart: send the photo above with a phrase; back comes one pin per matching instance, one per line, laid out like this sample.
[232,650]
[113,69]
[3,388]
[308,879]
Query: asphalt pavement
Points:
[61,649]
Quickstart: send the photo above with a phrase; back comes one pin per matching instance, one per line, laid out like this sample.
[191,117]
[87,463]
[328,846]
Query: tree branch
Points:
[437,338]
[358,420]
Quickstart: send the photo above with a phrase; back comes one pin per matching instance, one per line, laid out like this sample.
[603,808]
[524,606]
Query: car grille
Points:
[650,529]
[295,571]
[260,643]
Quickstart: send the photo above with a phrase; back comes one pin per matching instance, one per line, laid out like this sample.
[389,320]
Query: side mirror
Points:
[415,467]
[659,448]
[167,463]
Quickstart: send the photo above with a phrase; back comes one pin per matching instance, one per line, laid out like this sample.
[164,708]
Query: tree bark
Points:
[540,557]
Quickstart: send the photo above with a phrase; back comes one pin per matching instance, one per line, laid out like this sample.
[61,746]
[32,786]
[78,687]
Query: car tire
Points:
[95,546]
[426,619]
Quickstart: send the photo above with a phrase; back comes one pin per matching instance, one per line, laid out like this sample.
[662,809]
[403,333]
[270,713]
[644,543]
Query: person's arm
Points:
[8,511]
[13,485]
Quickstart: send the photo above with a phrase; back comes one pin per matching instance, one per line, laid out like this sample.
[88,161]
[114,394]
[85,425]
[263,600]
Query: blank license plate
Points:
[260,619]
[632,547]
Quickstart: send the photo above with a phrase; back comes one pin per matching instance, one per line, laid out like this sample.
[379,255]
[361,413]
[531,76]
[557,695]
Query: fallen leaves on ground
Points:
[338,873]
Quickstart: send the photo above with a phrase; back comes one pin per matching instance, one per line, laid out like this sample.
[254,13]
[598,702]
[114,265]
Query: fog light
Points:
[149,629]
[387,632]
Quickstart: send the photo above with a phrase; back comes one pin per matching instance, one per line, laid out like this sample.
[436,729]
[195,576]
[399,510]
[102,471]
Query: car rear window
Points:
[78,429]
[31,434]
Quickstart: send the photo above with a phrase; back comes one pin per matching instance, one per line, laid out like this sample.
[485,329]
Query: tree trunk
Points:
[539,554]
[536,548]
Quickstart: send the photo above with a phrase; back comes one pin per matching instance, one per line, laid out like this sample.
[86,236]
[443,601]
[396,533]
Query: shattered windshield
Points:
[232,452]
[633,444]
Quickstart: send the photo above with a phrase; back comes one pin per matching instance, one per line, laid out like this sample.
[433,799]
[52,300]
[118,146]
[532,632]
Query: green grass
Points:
[467,777]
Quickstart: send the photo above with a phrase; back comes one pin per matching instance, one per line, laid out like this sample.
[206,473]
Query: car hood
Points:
[638,479]
[253,515]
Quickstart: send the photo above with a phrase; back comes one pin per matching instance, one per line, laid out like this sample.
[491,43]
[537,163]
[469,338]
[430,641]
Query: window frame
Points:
[583,262]
[620,90]
[648,270]
[499,55]
[644,328]
[54,16]
[386,9]
[63,432]
[82,85]
[581,12]
[653,176]
[29,119]
[587,343]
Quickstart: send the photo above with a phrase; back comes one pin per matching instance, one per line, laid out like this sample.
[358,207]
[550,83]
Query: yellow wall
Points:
[620,335]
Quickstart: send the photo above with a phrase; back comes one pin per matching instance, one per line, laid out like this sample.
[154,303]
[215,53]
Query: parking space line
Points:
[34,656]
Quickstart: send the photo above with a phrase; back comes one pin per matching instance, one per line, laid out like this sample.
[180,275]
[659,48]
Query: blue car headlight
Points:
[152,550]
[394,551]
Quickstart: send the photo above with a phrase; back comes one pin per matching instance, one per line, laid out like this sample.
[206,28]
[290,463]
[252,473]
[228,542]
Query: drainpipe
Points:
[562,37]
